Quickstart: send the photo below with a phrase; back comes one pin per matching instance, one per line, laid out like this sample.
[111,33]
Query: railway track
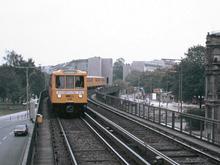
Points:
[91,143]
[158,146]
[78,141]
[86,146]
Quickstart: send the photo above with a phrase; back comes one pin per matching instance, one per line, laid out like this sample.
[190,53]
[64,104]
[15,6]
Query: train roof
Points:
[95,77]
[69,72]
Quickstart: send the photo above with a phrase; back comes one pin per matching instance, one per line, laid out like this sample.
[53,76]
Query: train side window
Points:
[69,81]
[79,82]
[60,82]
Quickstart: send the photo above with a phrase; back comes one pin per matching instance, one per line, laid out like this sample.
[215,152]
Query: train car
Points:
[95,81]
[68,91]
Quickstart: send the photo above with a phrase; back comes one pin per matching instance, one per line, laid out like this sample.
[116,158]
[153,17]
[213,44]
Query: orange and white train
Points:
[68,90]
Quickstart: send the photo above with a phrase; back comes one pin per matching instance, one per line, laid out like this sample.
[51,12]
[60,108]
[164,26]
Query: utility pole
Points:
[181,87]
[27,86]
[179,95]
[27,89]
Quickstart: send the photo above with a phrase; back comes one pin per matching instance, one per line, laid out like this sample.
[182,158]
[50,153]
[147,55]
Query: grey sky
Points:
[55,31]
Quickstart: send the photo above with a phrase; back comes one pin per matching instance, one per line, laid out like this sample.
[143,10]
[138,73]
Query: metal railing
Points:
[193,125]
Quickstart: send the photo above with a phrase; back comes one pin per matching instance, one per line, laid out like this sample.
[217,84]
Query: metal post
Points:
[181,88]
[27,93]
[159,115]
[148,113]
[179,92]
[27,84]
[181,123]
[201,128]
[166,117]
[173,120]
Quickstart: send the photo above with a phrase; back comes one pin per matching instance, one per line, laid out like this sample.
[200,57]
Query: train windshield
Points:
[60,82]
[79,82]
[69,81]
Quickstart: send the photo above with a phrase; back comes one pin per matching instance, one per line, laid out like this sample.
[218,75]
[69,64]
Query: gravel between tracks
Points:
[86,147]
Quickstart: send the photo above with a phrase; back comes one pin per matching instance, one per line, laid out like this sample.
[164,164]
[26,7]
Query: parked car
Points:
[21,129]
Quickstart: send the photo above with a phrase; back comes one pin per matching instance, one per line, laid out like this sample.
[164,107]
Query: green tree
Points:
[133,78]
[36,80]
[118,69]
[147,80]
[192,70]
[13,59]
[13,79]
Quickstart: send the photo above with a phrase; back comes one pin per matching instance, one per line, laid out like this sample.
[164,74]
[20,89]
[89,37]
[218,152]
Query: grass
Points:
[6,109]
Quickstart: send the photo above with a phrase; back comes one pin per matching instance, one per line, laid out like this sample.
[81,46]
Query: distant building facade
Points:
[212,90]
[94,66]
[143,66]
[126,70]
[138,66]
[107,70]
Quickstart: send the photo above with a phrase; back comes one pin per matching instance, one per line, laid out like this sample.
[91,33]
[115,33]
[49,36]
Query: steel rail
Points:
[73,159]
[113,150]
[119,141]
[163,134]
[142,143]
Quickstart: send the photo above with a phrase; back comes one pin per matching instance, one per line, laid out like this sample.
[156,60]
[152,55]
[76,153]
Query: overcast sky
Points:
[56,31]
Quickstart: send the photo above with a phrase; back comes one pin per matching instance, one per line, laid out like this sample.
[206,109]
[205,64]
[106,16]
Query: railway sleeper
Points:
[195,160]
[182,153]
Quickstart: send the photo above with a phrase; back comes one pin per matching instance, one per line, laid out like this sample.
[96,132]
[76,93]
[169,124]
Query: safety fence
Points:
[192,125]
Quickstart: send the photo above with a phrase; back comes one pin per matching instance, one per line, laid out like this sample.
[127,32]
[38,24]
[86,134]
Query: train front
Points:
[68,92]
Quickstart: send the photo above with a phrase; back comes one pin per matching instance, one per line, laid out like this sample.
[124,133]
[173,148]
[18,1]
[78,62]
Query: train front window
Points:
[60,82]
[69,82]
[79,82]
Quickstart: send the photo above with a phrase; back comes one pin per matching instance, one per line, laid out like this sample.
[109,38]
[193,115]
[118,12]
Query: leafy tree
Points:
[192,69]
[147,80]
[13,78]
[122,84]
[134,78]
[118,69]
[36,80]
[13,59]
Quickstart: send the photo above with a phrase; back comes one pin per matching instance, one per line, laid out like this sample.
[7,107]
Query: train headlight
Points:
[59,95]
[80,95]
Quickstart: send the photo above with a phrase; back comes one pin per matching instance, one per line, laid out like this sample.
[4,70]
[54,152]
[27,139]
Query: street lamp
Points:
[181,86]
[180,97]
[27,84]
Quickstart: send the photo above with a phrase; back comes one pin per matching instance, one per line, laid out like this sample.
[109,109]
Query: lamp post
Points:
[180,97]
[27,85]
[181,87]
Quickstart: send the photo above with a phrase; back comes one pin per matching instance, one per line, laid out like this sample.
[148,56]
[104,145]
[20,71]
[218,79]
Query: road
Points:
[12,148]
